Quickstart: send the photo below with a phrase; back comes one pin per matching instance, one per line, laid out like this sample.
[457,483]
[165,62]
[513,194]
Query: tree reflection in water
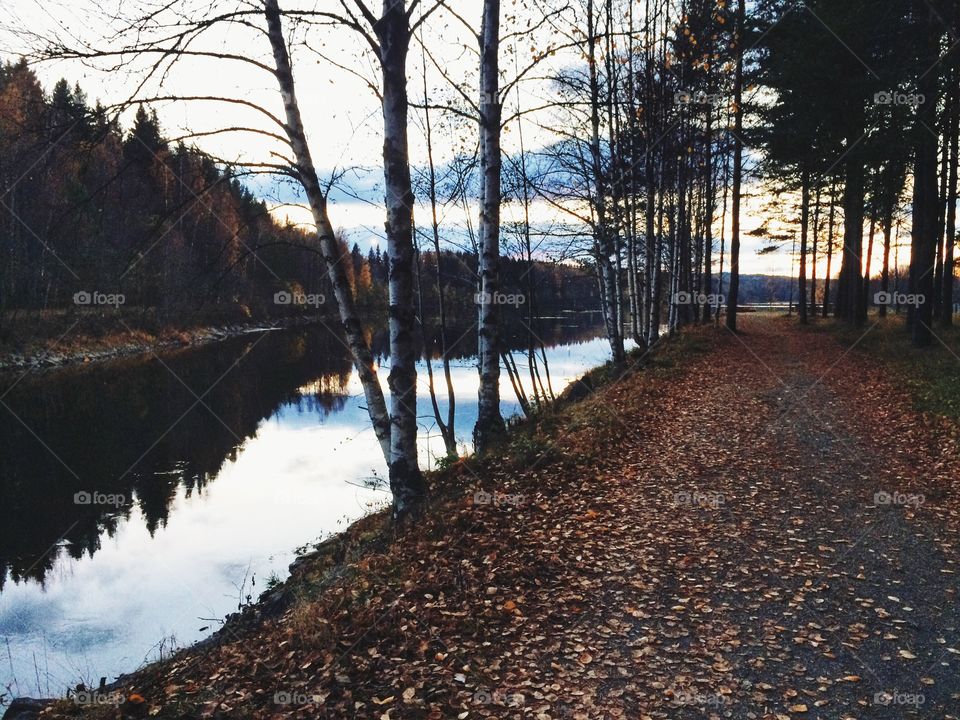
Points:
[144,428]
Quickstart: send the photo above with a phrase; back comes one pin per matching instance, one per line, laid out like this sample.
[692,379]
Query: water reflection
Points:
[140,430]
[277,419]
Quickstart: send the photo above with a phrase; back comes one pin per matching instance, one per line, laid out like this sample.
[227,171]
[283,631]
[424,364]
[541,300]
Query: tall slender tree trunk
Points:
[942,206]
[949,263]
[804,231]
[682,236]
[652,259]
[850,295]
[605,255]
[708,218]
[723,227]
[674,264]
[657,300]
[330,249]
[637,306]
[830,228]
[447,426]
[813,256]
[734,296]
[866,274]
[490,424]
[406,482]
[614,136]
[885,272]
[925,195]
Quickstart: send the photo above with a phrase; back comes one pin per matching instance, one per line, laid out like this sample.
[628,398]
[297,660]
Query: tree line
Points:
[88,206]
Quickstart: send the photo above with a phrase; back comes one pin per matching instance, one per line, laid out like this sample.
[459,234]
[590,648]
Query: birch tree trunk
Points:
[406,482]
[329,247]
[447,427]
[605,249]
[651,259]
[489,420]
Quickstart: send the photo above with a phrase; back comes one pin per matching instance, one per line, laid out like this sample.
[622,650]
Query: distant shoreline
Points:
[87,350]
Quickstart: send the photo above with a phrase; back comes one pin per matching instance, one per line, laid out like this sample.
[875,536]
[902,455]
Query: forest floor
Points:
[752,526]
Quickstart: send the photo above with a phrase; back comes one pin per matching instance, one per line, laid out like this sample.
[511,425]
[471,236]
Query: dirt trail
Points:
[760,550]
[743,538]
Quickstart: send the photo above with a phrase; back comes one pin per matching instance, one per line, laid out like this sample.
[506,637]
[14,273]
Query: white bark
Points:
[605,246]
[330,249]
[406,482]
[489,421]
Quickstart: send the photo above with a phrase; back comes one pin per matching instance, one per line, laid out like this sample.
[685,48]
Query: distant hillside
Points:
[767,288]
[106,229]
[763,288]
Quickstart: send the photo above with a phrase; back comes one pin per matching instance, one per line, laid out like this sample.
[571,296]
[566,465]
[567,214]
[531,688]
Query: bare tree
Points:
[489,424]
[165,36]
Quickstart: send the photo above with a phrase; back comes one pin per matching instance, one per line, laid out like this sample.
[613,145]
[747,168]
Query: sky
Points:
[334,73]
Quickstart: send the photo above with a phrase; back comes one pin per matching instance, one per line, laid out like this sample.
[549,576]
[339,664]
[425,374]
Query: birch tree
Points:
[175,32]
[489,424]
[488,112]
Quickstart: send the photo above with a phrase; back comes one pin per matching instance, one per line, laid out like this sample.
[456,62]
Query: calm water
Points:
[205,470]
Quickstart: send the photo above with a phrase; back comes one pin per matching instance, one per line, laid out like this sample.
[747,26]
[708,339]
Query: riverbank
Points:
[73,346]
[718,530]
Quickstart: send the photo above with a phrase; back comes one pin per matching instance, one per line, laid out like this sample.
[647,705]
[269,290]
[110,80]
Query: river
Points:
[145,499]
